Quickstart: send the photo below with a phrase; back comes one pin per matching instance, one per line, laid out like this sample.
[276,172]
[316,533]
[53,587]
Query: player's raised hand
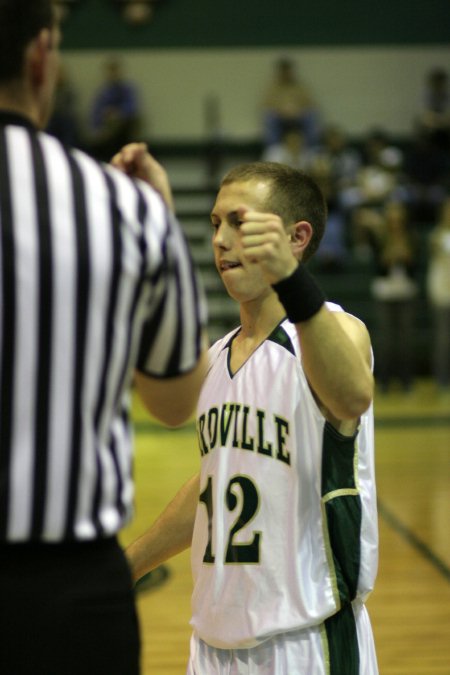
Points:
[266,243]
[136,161]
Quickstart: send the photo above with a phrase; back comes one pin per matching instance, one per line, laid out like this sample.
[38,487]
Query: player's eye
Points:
[234,220]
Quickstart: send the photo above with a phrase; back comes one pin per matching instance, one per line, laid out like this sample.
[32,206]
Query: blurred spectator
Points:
[291,150]
[214,134]
[427,176]
[438,289]
[338,158]
[378,181]
[115,114]
[394,289]
[434,117]
[332,254]
[287,102]
[64,123]
[336,165]
[333,250]
[378,178]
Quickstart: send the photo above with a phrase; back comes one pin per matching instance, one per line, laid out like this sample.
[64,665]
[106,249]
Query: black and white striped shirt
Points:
[95,280]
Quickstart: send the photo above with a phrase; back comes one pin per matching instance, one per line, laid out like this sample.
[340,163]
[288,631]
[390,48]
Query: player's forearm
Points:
[336,363]
[169,535]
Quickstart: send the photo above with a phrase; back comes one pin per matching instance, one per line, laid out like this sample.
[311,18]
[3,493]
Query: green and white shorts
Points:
[342,645]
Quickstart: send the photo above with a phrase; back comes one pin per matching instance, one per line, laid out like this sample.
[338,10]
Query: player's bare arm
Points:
[336,357]
[170,534]
[335,346]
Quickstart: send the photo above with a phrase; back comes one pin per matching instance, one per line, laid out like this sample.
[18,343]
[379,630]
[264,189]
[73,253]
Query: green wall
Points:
[95,24]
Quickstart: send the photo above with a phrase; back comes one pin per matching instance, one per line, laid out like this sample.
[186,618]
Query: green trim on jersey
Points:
[342,510]
[342,643]
[280,337]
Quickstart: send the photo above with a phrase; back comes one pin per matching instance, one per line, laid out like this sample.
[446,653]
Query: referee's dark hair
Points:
[20,22]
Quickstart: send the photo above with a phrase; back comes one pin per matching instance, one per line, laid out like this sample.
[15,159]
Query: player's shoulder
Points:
[357,331]
[352,324]
[345,318]
[334,307]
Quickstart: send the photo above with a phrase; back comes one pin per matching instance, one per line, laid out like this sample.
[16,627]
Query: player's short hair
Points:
[20,22]
[294,196]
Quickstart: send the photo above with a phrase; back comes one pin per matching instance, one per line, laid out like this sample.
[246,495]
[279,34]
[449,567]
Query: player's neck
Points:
[260,317]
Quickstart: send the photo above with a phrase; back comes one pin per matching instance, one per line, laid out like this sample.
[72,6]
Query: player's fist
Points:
[266,243]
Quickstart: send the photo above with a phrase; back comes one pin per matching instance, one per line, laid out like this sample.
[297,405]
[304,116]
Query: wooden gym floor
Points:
[410,607]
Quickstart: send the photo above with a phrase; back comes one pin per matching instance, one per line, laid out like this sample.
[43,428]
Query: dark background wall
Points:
[96,24]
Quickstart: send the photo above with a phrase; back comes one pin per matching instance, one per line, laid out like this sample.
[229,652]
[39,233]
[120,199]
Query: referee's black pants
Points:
[67,609]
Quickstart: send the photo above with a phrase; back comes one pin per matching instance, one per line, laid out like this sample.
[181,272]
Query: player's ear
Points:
[300,236]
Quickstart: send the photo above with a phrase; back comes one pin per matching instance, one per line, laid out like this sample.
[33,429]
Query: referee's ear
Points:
[36,59]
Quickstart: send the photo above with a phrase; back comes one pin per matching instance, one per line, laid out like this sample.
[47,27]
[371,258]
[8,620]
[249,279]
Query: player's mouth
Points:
[226,265]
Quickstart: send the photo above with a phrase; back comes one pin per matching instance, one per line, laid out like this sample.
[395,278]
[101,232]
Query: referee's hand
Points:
[135,160]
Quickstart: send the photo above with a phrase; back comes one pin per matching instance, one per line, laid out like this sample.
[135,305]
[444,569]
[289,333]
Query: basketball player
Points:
[282,516]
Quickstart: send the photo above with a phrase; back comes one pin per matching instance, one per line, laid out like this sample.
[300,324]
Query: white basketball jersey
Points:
[286,526]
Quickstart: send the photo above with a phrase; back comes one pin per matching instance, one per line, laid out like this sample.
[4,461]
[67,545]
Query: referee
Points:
[96,287]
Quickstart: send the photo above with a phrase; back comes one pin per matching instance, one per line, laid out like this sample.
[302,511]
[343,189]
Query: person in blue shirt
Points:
[115,113]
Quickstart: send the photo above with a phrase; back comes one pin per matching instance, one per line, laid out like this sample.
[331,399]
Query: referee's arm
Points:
[173,400]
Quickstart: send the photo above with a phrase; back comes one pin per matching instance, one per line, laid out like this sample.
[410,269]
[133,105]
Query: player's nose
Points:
[223,236]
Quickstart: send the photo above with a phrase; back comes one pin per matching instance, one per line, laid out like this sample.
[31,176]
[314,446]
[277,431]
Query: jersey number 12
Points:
[235,552]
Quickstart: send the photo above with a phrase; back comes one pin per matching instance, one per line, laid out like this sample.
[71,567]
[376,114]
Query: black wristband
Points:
[300,295]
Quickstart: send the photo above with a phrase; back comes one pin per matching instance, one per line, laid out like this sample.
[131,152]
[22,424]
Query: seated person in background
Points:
[378,180]
[332,254]
[438,290]
[434,117]
[427,176]
[342,160]
[64,122]
[393,244]
[287,102]
[115,113]
[380,173]
[291,150]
